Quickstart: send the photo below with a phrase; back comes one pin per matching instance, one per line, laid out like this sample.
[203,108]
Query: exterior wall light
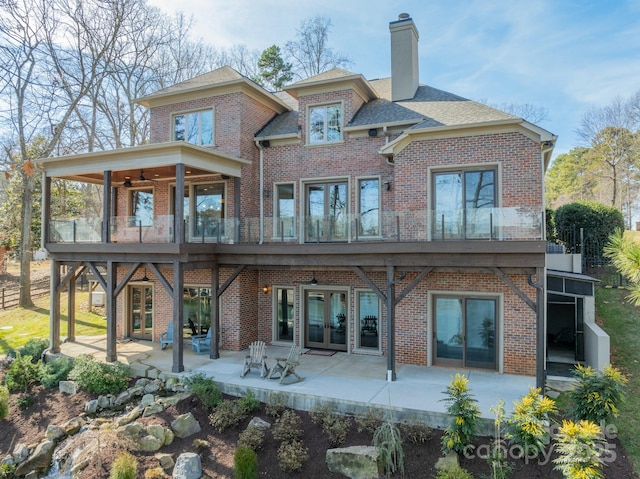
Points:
[265,289]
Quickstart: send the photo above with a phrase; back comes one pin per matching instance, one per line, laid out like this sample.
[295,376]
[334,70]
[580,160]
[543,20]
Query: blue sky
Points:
[566,56]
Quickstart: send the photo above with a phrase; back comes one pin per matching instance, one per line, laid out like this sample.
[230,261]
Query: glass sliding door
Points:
[465,332]
[326,320]
[326,212]
[140,317]
[208,211]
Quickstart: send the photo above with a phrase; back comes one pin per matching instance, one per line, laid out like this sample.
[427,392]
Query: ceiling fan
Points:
[127,179]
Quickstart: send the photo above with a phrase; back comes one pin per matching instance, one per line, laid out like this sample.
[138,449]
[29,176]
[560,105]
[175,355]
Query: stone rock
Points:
[39,460]
[152,409]
[169,436]
[131,430]
[20,452]
[136,391]
[123,398]
[31,475]
[54,433]
[188,466]
[150,443]
[449,462]
[156,430]
[91,407]
[259,422]
[131,416]
[355,462]
[153,387]
[105,402]
[175,399]
[185,425]
[68,387]
[142,382]
[147,400]
[72,426]
[173,385]
[165,461]
[8,460]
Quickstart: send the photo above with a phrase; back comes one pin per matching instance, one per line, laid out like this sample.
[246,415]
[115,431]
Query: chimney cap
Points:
[404,16]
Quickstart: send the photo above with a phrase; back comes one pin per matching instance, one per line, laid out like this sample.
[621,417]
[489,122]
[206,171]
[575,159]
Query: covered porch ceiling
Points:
[141,163]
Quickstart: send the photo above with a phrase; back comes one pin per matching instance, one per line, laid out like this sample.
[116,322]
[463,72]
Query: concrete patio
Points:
[350,383]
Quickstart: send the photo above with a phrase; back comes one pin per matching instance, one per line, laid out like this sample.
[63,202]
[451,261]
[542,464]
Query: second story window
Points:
[369,207]
[285,211]
[195,127]
[325,123]
[141,207]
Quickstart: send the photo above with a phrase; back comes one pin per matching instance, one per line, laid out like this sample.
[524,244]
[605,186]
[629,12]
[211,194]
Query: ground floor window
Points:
[368,322]
[465,331]
[283,315]
[140,311]
[196,309]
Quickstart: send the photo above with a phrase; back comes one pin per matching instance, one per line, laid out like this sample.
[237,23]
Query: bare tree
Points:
[310,53]
[527,111]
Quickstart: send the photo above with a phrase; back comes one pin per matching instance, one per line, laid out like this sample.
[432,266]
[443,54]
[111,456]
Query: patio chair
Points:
[201,343]
[166,338]
[256,359]
[287,366]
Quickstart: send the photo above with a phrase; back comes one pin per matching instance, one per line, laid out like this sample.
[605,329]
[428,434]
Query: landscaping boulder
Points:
[185,425]
[39,460]
[355,462]
[188,466]
[68,387]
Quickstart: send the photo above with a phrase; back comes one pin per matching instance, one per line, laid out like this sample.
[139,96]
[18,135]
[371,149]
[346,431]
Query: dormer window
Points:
[195,127]
[325,123]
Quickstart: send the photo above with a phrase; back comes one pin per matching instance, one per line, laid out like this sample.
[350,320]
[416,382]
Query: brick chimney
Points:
[404,58]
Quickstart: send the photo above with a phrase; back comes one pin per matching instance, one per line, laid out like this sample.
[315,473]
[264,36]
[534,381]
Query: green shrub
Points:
[456,473]
[25,401]
[288,427]
[56,371]
[155,473]
[388,441]
[497,457]
[249,403]
[596,396]
[245,463]
[292,456]
[528,426]
[333,425]
[4,402]
[6,471]
[252,437]
[277,404]
[369,421]
[415,431]
[124,466]
[34,348]
[99,378]
[465,415]
[579,447]
[205,390]
[229,413]
[23,373]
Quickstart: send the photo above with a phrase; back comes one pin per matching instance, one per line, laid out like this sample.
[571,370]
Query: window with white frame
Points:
[325,123]
[194,127]
[284,211]
[369,207]
[368,322]
[141,207]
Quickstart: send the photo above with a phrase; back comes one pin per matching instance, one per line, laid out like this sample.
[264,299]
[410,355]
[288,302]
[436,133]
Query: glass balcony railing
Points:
[488,224]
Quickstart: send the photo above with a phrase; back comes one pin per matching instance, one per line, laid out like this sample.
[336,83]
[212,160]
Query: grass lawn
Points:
[621,320]
[19,325]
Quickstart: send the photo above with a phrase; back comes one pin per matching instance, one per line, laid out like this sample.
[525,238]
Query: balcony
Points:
[485,224]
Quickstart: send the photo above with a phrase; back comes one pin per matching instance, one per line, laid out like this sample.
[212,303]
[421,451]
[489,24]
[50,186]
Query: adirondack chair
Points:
[256,359]
[201,343]
[287,366]
[166,338]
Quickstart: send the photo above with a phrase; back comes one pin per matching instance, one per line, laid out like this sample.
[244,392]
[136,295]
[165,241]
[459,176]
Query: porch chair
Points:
[201,343]
[166,338]
[256,358]
[287,366]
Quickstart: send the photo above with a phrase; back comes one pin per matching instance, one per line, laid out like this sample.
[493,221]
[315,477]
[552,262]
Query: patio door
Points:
[465,332]
[326,320]
[140,317]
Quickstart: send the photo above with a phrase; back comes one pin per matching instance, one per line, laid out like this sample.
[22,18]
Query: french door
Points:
[465,331]
[326,216]
[326,320]
[140,317]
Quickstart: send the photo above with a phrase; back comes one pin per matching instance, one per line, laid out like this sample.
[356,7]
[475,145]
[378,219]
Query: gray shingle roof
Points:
[284,124]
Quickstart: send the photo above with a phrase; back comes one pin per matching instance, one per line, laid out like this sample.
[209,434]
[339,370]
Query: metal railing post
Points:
[139,231]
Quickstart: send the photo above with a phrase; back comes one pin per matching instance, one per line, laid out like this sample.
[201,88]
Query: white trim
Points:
[307,141]
[357,348]
[275,215]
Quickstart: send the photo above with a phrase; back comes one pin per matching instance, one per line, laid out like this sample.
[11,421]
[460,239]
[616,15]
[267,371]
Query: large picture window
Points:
[195,127]
[141,207]
[464,202]
[369,207]
[285,211]
[325,123]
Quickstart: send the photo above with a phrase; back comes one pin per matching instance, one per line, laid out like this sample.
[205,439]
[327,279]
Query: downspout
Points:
[261,221]
[540,327]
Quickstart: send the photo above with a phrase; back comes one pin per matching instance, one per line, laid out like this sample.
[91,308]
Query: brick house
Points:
[382,217]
